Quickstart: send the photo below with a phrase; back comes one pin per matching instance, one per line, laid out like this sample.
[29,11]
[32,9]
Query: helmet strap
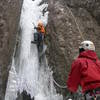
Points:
[81,50]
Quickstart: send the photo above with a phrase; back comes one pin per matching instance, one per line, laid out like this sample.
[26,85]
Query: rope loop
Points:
[63,87]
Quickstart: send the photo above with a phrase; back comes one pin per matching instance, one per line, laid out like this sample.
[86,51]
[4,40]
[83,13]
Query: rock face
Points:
[70,22]
[9,20]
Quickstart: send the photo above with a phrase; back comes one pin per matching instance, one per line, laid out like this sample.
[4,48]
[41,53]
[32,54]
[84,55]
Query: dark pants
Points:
[40,42]
[40,37]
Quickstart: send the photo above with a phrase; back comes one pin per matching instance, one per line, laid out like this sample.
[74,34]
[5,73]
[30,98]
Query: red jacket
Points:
[85,71]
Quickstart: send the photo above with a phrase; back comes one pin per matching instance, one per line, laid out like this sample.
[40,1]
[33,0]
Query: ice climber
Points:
[41,30]
[41,35]
[85,71]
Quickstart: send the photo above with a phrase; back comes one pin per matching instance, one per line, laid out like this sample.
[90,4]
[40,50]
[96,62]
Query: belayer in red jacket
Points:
[85,72]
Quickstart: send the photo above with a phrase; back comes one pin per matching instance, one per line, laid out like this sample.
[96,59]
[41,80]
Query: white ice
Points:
[27,74]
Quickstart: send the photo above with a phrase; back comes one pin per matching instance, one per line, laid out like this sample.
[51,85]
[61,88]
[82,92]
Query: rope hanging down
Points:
[75,22]
[60,86]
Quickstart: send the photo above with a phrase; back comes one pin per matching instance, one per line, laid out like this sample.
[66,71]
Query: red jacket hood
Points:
[85,71]
[88,54]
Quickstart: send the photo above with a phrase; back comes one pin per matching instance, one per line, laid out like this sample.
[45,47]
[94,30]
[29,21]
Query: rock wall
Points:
[9,21]
[70,22]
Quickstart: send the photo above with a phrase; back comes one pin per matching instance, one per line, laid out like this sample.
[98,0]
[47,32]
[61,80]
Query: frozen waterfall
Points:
[28,74]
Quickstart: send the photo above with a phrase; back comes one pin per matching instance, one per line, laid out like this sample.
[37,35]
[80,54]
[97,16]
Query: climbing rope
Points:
[75,22]
[60,86]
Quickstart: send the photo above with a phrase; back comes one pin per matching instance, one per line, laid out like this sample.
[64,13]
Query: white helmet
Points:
[87,45]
